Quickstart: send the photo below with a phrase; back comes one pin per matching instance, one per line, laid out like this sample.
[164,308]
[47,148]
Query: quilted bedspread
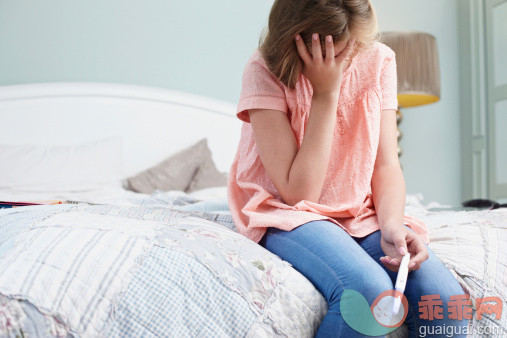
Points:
[171,265]
[145,270]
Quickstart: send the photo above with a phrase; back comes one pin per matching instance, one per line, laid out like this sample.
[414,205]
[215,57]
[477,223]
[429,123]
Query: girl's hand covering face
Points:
[324,73]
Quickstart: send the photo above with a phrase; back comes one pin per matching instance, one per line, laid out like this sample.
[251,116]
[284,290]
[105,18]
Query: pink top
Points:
[369,85]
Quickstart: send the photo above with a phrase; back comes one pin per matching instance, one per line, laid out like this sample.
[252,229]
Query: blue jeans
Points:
[333,261]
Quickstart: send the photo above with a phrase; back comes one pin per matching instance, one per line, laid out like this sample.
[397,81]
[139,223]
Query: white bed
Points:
[244,287]
[269,297]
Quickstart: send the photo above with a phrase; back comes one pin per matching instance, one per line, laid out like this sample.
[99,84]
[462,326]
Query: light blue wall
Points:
[197,46]
[431,133]
[202,46]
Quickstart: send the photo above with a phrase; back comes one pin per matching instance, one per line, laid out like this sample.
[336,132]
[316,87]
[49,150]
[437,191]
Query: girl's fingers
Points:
[302,50]
[388,263]
[417,246]
[316,48]
[329,48]
[392,261]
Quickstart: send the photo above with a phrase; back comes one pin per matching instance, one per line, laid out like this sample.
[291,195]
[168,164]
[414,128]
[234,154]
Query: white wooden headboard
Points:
[153,122]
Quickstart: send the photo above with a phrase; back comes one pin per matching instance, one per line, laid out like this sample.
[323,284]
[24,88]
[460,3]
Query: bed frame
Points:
[153,122]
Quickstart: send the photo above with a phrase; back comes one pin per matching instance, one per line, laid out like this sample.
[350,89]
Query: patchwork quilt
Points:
[162,267]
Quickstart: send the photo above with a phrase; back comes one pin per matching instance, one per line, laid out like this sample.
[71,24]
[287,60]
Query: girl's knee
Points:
[375,284]
[369,282]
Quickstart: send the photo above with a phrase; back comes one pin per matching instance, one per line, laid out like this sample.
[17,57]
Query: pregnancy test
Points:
[401,281]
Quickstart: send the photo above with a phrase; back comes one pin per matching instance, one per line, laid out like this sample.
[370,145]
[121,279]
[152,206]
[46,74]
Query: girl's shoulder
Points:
[256,67]
[378,50]
[257,58]
[376,57]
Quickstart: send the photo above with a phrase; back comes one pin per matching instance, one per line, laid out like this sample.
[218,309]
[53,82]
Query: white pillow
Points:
[61,168]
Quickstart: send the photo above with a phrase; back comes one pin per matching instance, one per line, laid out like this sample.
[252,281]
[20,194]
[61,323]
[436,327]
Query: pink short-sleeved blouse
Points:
[369,85]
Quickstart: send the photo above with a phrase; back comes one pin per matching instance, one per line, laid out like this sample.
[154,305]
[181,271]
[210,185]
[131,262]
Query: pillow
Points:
[61,167]
[207,176]
[174,173]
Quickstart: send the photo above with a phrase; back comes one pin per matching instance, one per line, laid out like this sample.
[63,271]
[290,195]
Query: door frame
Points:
[473,100]
[495,94]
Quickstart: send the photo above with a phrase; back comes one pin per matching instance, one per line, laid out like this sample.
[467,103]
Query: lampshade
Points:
[417,65]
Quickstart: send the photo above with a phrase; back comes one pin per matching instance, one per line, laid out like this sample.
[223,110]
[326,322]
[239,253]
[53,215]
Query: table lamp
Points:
[417,69]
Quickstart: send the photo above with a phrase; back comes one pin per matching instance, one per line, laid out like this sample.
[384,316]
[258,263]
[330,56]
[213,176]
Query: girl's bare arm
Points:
[299,174]
[296,175]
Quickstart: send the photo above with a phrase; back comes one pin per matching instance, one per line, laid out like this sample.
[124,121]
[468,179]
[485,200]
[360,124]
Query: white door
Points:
[496,86]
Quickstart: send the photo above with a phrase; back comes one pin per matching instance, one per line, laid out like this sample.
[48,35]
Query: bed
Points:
[169,262]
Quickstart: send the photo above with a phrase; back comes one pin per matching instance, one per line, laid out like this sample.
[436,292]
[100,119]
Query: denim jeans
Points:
[333,261]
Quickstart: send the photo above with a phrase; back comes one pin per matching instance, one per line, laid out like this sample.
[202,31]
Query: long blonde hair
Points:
[340,18]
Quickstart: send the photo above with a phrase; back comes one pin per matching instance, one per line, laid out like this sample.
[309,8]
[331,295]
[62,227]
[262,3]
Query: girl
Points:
[316,178]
